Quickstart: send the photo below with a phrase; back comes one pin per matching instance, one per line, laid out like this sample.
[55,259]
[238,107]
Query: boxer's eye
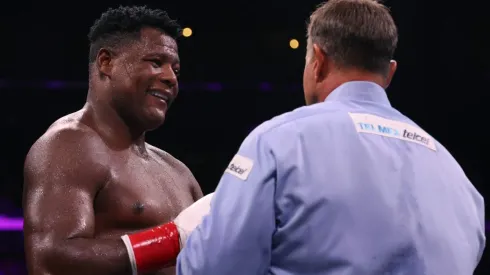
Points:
[177,72]
[155,63]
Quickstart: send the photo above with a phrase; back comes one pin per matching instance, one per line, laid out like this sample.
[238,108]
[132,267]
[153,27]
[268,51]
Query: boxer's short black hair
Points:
[122,24]
[355,34]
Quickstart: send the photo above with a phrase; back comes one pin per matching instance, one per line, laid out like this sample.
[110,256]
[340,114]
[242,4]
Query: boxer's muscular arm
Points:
[195,188]
[62,175]
[238,230]
[193,184]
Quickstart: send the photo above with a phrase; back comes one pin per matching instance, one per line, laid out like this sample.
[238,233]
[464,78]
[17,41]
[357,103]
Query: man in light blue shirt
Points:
[346,185]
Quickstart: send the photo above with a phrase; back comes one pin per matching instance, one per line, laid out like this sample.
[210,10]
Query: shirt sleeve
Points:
[235,238]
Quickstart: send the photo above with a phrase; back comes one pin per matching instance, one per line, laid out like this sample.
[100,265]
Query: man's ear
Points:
[391,72]
[104,62]
[320,65]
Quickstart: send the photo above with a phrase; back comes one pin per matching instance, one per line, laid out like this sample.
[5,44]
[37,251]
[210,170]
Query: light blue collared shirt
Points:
[349,186]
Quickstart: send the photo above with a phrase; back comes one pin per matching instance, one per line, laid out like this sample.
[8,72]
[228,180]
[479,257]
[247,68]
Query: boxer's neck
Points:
[113,128]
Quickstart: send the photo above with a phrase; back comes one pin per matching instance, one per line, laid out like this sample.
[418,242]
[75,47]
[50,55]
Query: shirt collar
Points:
[359,91]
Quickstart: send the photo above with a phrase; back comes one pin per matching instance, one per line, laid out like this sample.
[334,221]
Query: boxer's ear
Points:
[105,62]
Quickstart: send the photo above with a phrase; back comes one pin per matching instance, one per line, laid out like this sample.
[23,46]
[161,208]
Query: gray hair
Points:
[354,33]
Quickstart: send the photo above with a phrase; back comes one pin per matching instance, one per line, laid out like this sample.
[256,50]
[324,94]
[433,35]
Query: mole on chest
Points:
[145,195]
[141,210]
[138,208]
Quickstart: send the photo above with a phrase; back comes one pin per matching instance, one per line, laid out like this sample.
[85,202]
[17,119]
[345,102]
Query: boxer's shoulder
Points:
[164,156]
[67,143]
[70,132]
[179,167]
[168,159]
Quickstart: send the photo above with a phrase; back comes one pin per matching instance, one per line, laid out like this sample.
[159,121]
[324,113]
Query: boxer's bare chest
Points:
[142,192]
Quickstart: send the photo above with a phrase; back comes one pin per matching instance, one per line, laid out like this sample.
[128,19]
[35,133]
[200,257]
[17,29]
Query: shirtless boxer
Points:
[92,178]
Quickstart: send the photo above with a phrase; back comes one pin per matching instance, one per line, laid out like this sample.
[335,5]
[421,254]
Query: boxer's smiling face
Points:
[143,78]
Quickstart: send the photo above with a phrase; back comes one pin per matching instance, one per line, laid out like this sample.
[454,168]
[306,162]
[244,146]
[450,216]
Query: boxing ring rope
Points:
[15,224]
[200,86]
[11,224]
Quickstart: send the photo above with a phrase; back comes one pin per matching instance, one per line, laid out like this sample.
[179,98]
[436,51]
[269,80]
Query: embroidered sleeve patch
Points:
[240,167]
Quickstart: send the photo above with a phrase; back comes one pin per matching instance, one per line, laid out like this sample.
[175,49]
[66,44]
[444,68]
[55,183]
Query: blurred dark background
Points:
[238,70]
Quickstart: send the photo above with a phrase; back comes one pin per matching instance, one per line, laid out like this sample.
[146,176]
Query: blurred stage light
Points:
[186,32]
[293,43]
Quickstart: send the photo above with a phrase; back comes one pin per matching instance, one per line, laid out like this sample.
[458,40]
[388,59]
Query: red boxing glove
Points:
[153,249]
[156,248]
